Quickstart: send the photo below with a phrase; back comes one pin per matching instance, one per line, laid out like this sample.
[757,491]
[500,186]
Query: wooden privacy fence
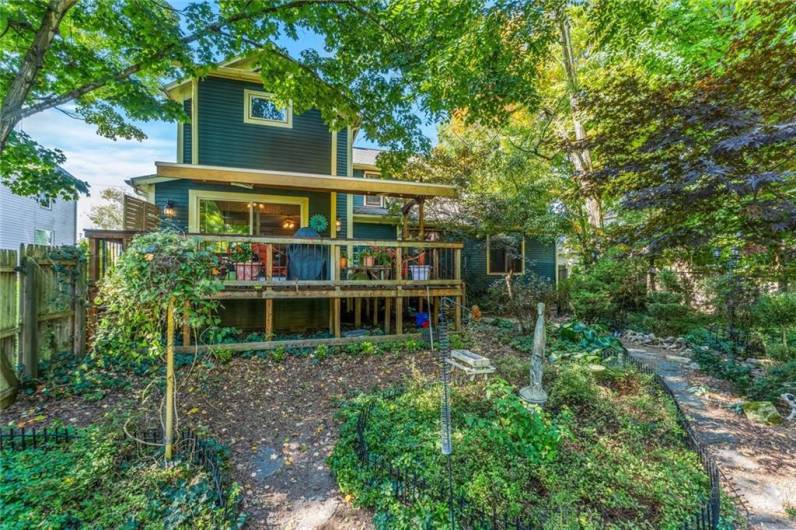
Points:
[42,310]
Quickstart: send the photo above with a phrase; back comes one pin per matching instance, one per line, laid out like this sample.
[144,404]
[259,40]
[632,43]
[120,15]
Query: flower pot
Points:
[420,272]
[247,271]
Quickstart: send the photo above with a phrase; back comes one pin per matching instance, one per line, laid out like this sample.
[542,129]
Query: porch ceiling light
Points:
[288,224]
[169,210]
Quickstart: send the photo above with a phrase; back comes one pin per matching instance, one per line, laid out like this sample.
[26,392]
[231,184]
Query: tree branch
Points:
[75,93]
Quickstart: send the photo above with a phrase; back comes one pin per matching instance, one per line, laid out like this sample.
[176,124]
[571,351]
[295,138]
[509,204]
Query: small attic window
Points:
[260,109]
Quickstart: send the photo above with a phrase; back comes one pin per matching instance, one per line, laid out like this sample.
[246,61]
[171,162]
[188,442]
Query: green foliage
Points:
[776,381]
[278,354]
[619,461]
[133,298]
[110,58]
[778,312]
[100,480]
[608,290]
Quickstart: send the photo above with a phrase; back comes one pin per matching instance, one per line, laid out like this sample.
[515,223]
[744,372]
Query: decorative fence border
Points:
[407,486]
[199,451]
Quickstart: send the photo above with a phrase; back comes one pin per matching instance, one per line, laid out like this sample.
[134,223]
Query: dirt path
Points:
[759,460]
[278,419]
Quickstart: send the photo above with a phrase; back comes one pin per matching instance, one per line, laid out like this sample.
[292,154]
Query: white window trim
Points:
[247,110]
[51,237]
[194,196]
[372,175]
[489,264]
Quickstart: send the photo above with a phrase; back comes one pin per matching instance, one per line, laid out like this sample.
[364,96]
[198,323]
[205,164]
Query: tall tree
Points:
[104,61]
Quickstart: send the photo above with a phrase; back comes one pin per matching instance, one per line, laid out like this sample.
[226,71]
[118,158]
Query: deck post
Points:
[269,303]
[375,302]
[336,316]
[269,318]
[357,313]
[399,314]
[421,221]
[387,310]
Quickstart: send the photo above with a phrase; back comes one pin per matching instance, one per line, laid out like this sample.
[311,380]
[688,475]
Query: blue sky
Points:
[106,163]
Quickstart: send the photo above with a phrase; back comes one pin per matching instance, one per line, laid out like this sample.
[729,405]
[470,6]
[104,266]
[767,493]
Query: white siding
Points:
[21,216]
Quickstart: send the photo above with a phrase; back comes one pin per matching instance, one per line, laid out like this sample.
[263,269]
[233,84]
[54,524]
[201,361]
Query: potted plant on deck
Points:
[246,267]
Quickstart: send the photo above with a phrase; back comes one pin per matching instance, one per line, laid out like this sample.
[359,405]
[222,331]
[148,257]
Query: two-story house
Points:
[300,216]
[25,220]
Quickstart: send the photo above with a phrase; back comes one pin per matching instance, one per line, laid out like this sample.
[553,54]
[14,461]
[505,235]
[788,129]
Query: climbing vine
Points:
[134,296]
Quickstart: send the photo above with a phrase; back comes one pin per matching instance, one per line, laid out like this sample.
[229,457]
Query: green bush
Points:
[610,289]
[100,481]
[777,313]
[776,381]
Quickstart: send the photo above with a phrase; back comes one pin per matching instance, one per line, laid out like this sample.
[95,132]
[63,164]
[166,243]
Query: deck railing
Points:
[272,261]
[250,261]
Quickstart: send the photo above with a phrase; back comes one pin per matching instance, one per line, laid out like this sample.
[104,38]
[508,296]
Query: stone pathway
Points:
[759,460]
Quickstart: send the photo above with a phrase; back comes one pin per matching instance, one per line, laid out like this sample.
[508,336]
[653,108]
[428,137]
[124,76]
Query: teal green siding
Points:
[540,257]
[186,134]
[226,140]
[177,192]
[374,231]
[342,170]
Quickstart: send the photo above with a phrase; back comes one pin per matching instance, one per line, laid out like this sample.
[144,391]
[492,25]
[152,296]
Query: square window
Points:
[374,200]
[261,109]
[505,254]
[42,237]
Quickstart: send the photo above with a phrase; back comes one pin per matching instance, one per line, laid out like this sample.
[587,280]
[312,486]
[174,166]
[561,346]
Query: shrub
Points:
[278,354]
[610,289]
[776,381]
[777,312]
[518,296]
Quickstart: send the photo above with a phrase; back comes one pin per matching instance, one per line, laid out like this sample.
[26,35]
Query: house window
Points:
[373,200]
[261,109]
[44,202]
[42,237]
[505,254]
[212,212]
[376,201]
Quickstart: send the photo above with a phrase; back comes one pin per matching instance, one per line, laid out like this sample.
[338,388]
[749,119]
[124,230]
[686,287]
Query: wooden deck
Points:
[419,272]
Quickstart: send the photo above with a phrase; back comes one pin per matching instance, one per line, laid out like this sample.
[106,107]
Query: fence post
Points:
[79,307]
[28,341]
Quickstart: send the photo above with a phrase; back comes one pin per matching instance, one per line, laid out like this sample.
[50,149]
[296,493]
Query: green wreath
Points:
[319,223]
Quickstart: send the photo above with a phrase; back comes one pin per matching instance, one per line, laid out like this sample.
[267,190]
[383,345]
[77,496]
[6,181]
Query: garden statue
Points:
[790,400]
[534,393]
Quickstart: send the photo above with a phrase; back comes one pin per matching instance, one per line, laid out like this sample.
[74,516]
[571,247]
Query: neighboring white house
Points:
[24,220]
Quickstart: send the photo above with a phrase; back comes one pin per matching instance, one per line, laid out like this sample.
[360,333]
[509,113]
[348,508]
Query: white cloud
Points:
[99,161]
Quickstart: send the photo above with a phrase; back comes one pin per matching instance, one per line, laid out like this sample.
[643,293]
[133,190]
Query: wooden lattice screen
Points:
[140,215]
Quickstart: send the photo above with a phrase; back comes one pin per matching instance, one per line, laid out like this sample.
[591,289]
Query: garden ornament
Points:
[790,399]
[534,393]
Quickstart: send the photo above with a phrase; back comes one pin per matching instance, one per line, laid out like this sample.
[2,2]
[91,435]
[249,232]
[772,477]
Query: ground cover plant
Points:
[607,451]
[105,480]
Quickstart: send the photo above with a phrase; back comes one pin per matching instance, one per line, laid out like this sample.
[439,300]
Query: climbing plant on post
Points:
[162,280]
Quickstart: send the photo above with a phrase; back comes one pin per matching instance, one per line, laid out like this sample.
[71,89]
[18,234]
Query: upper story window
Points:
[44,202]
[261,109]
[376,201]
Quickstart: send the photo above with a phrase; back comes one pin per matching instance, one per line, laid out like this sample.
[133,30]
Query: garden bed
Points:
[101,477]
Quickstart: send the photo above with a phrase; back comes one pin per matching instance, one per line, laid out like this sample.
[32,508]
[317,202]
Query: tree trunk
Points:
[580,154]
[31,65]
